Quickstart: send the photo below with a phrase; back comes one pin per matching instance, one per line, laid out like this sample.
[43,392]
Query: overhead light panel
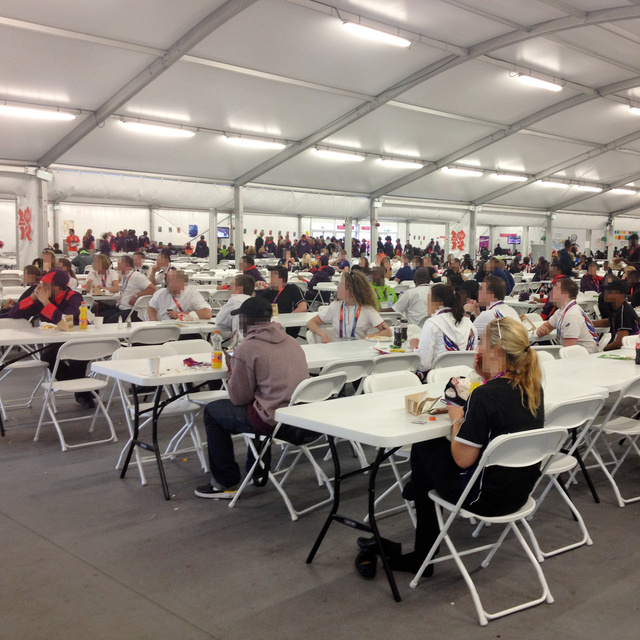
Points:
[345,156]
[511,177]
[635,110]
[624,191]
[157,129]
[254,143]
[401,164]
[463,171]
[35,113]
[532,81]
[375,34]
[589,187]
[553,184]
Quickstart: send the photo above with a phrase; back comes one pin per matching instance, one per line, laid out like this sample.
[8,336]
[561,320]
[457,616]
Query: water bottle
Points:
[216,355]
[638,351]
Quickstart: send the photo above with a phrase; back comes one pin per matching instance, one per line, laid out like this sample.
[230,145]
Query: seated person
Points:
[428,263]
[468,291]
[138,260]
[102,276]
[82,261]
[65,264]
[496,268]
[408,270]
[385,296]
[241,288]
[288,261]
[288,297]
[591,281]
[446,329]
[341,264]
[491,297]
[353,315]
[624,321]
[323,274]
[363,265]
[511,400]
[134,286]
[570,321]
[413,303]
[555,273]
[161,268]
[177,299]
[256,390]
[30,277]
[49,301]
[454,270]
[248,267]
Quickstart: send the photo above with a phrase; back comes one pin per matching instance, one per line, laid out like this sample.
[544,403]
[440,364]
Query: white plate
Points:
[379,339]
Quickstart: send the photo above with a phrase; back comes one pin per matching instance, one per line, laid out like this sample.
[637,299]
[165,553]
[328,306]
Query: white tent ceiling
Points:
[287,70]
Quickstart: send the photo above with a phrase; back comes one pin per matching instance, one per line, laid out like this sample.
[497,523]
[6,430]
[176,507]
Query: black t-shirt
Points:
[494,409]
[624,318]
[287,300]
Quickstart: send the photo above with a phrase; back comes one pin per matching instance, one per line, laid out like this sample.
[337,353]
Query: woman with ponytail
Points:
[447,328]
[509,400]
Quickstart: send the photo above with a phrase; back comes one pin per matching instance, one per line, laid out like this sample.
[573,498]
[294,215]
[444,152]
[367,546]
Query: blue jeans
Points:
[222,419]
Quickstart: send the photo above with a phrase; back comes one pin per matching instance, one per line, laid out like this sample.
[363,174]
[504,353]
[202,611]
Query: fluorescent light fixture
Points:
[463,171]
[254,143]
[511,177]
[402,164]
[34,113]
[538,82]
[589,187]
[624,191]
[554,185]
[375,34]
[635,110]
[157,129]
[333,154]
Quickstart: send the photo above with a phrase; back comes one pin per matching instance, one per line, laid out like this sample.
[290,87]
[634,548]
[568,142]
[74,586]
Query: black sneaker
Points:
[207,491]
[85,400]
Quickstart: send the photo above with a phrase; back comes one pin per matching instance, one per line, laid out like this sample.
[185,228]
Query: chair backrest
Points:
[391,380]
[627,341]
[545,356]
[154,335]
[14,323]
[574,413]
[454,358]
[401,288]
[91,349]
[396,362]
[553,349]
[534,318]
[355,369]
[314,338]
[444,374]
[135,353]
[188,347]
[605,339]
[574,351]
[319,388]
[140,307]
[523,448]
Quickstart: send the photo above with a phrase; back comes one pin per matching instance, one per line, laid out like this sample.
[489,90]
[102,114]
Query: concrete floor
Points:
[85,554]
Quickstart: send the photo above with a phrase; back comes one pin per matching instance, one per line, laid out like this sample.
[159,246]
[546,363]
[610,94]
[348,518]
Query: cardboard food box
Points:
[418,403]
[66,324]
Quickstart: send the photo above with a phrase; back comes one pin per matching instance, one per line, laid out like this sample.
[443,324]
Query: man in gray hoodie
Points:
[264,371]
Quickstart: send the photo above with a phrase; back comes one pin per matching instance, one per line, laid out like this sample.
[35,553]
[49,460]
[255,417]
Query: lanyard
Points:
[443,311]
[343,321]
[279,292]
[386,293]
[564,313]
[497,304]
[177,303]
[125,282]
[104,279]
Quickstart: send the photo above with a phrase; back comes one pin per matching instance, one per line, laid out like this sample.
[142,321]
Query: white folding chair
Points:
[521,449]
[29,362]
[454,358]
[376,383]
[629,341]
[355,369]
[621,427]
[545,356]
[605,339]
[316,389]
[140,307]
[314,338]
[552,349]
[444,374]
[574,351]
[573,415]
[181,408]
[93,349]
[395,362]
[158,334]
[217,299]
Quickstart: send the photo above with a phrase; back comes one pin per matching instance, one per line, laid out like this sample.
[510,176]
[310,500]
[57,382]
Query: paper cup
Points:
[98,321]
[154,365]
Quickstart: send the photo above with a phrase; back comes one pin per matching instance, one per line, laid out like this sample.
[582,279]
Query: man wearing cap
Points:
[51,300]
[304,246]
[256,389]
[177,299]
[323,274]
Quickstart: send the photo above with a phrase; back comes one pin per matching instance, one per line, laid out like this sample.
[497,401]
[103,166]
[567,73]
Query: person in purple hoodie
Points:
[304,246]
[323,274]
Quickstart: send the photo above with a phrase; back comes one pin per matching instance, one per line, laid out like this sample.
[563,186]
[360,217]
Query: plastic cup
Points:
[98,321]
[154,365]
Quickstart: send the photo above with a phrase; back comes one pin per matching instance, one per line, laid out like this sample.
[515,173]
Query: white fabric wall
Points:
[8,224]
